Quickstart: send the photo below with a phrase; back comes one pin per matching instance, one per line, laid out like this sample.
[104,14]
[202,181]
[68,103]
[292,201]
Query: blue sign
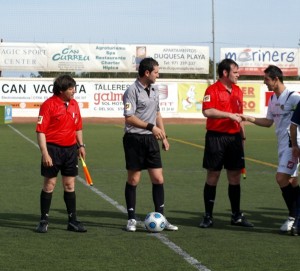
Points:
[7,113]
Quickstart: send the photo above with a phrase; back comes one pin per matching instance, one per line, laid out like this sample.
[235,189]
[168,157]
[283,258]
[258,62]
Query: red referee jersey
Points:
[59,122]
[216,96]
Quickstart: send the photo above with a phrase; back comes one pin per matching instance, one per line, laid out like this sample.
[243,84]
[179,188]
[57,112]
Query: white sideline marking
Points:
[188,258]
[192,261]
[104,196]
[28,139]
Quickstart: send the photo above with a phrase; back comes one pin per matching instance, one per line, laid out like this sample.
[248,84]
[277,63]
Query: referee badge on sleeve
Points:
[40,120]
[206,98]
[127,106]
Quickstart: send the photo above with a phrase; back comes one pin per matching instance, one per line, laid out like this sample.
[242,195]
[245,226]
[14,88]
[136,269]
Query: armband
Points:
[149,127]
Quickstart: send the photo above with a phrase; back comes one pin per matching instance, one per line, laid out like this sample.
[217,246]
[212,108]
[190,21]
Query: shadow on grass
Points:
[30,221]
[22,221]
[265,220]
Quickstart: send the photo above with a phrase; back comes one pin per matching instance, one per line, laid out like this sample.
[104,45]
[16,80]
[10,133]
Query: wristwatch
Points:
[81,146]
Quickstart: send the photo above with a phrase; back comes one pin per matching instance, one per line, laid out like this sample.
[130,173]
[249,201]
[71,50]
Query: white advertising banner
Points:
[253,61]
[69,57]
[103,97]
[299,61]
[23,56]
[96,98]
[108,98]
[65,57]
[26,95]
[180,59]
[113,58]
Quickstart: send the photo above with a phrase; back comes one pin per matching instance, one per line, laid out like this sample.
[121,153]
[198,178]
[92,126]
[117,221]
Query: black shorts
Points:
[141,152]
[65,160]
[223,150]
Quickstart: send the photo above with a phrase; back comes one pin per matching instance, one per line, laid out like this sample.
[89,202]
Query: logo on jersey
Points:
[206,98]
[40,120]
[290,164]
[293,108]
[127,106]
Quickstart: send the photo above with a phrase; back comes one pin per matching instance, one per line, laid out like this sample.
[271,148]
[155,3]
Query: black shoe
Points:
[42,226]
[76,226]
[206,222]
[240,220]
[295,231]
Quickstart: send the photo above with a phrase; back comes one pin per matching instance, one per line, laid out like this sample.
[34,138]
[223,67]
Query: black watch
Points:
[81,146]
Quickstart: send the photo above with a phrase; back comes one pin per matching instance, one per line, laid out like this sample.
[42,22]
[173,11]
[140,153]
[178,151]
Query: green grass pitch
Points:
[106,246]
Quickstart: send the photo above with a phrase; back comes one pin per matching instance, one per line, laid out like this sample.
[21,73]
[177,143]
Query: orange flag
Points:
[243,171]
[88,178]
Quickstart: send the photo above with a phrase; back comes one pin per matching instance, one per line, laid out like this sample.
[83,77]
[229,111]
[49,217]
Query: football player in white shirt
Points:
[280,110]
[295,139]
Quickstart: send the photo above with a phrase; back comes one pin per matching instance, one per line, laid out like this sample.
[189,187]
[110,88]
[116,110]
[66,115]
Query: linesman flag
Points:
[88,178]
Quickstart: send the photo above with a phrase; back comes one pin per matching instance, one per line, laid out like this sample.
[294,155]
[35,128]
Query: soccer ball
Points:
[155,222]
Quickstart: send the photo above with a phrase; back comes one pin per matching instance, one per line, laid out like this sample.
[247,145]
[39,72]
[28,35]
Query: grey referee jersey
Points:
[137,102]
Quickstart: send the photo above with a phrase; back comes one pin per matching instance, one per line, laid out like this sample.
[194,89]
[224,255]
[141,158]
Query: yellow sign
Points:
[252,96]
[190,97]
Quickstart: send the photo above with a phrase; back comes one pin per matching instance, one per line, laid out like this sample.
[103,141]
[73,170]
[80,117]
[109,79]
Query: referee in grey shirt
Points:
[143,128]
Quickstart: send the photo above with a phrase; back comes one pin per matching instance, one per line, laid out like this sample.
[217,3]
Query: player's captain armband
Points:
[206,98]
[40,120]
[127,106]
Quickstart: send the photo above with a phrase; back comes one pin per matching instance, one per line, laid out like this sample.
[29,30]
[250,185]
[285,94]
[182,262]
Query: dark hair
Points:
[225,64]
[273,72]
[147,64]
[62,83]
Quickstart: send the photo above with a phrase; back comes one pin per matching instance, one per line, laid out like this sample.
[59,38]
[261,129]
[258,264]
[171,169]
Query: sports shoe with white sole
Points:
[295,230]
[131,225]
[170,227]
[42,226]
[287,225]
[240,220]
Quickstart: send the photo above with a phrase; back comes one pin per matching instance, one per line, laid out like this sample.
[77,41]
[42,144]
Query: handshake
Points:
[241,117]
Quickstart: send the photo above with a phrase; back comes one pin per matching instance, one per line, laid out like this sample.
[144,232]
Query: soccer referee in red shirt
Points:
[222,104]
[59,136]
